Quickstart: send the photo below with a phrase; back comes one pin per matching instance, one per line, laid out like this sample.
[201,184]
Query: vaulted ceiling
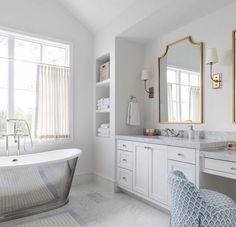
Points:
[97,14]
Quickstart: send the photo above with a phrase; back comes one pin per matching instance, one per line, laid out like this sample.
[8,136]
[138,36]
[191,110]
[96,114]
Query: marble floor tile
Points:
[92,206]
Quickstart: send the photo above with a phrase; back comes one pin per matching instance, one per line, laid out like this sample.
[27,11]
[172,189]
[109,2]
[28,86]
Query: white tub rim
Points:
[40,158]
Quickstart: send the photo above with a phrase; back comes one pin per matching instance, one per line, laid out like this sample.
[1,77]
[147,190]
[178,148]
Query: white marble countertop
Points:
[175,141]
[220,154]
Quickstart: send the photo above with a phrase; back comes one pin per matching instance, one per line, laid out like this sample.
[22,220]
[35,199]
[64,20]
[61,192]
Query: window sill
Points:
[38,146]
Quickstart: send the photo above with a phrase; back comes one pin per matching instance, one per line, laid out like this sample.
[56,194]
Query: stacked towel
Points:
[104,130]
[105,126]
[103,104]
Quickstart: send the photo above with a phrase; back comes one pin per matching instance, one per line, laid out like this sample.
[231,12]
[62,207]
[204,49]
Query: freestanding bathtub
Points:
[35,182]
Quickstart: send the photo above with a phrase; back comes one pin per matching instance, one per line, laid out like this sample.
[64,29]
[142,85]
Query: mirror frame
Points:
[233,74]
[200,44]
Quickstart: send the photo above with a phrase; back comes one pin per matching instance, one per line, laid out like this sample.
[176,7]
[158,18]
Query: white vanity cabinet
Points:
[158,184]
[147,166]
[144,163]
[184,160]
[141,168]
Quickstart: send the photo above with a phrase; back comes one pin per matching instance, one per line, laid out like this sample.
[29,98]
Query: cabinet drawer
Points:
[124,145]
[182,154]
[220,166]
[125,178]
[125,159]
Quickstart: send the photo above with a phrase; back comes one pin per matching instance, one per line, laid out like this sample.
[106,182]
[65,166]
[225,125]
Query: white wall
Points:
[129,64]
[215,30]
[50,19]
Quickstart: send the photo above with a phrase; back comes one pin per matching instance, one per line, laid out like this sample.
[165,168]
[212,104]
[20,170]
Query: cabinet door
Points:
[158,185]
[187,169]
[141,169]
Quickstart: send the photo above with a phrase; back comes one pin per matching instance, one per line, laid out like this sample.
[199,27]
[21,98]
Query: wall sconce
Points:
[212,58]
[145,77]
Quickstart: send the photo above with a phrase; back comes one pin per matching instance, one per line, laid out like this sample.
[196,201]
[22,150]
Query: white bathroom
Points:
[117,113]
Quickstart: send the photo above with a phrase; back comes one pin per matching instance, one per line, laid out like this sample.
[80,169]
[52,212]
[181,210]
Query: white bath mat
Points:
[62,220]
[22,188]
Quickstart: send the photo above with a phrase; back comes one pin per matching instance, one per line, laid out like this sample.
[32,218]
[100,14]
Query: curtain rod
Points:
[33,62]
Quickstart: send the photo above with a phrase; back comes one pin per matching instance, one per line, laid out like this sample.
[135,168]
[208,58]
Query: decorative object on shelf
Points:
[150,132]
[145,77]
[133,115]
[211,59]
[104,130]
[104,71]
[103,104]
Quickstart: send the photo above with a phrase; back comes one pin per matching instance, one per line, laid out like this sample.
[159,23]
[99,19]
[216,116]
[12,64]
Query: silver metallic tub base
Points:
[30,190]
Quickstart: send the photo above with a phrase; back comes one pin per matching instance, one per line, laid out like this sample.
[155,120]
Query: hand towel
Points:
[133,116]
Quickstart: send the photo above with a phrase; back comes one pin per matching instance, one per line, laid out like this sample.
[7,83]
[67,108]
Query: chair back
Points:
[185,201]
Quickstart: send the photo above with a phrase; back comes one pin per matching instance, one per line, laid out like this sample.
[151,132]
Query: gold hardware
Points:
[216,78]
[150,90]
[234,75]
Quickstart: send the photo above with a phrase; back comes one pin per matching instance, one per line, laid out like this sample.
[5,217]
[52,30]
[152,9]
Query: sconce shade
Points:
[211,56]
[145,75]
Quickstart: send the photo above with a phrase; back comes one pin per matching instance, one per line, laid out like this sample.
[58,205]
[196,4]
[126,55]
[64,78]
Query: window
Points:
[183,93]
[34,84]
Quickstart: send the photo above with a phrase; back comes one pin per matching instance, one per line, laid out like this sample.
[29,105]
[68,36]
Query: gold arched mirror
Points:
[180,82]
[234,76]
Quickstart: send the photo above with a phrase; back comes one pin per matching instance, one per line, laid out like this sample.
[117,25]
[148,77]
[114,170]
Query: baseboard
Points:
[105,182]
[81,179]
[95,178]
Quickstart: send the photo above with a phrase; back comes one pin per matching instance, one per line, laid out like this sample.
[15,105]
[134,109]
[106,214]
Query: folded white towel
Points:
[133,116]
[103,107]
[105,126]
[103,101]
[103,135]
[104,130]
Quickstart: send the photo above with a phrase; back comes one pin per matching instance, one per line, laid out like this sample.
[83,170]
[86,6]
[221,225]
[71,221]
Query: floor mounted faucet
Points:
[18,133]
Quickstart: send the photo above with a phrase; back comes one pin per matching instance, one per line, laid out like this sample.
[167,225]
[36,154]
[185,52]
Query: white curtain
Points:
[194,104]
[53,103]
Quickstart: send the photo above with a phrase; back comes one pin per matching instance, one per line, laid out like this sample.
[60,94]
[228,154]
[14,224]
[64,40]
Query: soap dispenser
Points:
[191,132]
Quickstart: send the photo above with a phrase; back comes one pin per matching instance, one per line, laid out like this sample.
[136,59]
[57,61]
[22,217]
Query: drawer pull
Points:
[124,178]
[124,145]
[124,160]
[181,155]
[233,168]
[146,147]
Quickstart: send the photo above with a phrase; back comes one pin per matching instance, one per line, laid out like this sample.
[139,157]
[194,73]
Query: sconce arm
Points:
[145,86]
[211,74]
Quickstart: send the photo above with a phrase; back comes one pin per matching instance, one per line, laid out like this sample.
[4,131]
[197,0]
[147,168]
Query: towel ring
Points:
[133,98]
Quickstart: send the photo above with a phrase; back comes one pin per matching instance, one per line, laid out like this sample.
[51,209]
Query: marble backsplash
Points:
[219,135]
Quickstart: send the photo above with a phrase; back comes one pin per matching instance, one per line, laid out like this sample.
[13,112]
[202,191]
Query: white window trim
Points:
[42,144]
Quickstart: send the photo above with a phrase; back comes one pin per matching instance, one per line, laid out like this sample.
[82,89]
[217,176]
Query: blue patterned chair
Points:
[191,207]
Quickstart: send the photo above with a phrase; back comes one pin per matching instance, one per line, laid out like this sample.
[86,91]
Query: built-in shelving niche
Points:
[102,91]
